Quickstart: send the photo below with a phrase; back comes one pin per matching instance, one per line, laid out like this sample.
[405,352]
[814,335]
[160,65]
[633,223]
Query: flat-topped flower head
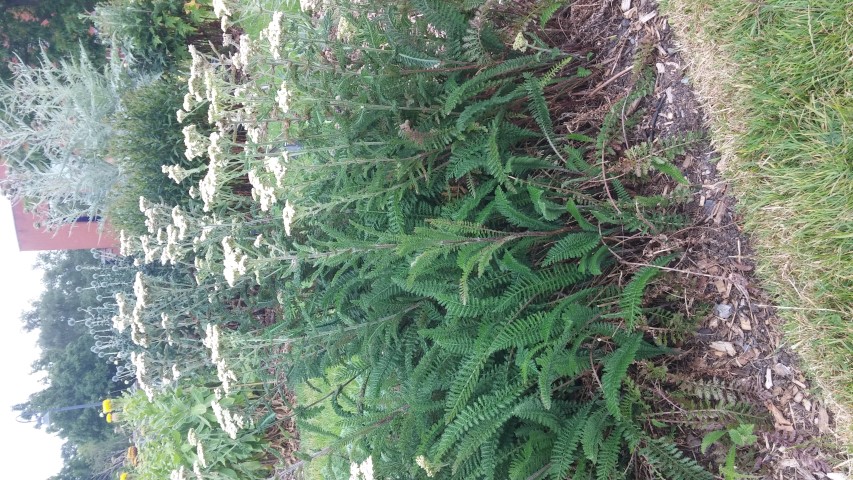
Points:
[287,216]
[282,98]
[220,9]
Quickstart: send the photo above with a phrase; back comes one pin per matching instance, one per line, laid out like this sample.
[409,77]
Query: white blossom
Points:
[282,98]
[140,291]
[235,261]
[520,42]
[273,34]
[263,194]
[179,220]
[179,474]
[287,215]
[276,166]
[220,9]
[193,141]
[361,471]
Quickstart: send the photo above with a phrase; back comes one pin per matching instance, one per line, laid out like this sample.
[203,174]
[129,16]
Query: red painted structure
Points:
[73,236]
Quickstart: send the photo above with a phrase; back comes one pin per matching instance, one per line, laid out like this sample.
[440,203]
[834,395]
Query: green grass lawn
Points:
[777,78]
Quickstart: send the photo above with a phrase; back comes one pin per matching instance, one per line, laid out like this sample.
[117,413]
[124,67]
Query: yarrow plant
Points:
[378,202]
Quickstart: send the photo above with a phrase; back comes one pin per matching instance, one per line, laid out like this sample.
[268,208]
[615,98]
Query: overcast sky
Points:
[25,453]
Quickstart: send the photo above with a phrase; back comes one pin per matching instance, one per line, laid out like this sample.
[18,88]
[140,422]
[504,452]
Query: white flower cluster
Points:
[225,375]
[235,261]
[428,467]
[520,43]
[199,451]
[254,134]
[263,194]
[194,142]
[212,341]
[345,30]
[435,32]
[175,172]
[230,423]
[137,326]
[309,5]
[273,34]
[196,466]
[209,184]
[212,94]
[192,437]
[287,216]
[125,244]
[140,291]
[245,49]
[276,166]
[122,319]
[361,471]
[179,474]
[179,220]
[282,98]
[193,440]
[138,361]
[220,9]
[198,67]
[148,250]
[171,251]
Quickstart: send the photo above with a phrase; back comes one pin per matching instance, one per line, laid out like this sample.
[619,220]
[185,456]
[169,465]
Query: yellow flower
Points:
[108,405]
[123,476]
[132,455]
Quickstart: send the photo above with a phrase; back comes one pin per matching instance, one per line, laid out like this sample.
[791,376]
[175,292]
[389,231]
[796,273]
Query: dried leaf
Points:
[725,347]
[822,420]
[745,324]
[782,370]
[645,18]
[781,423]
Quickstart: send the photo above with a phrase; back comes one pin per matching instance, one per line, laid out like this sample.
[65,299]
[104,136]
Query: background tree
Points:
[55,24]
[74,375]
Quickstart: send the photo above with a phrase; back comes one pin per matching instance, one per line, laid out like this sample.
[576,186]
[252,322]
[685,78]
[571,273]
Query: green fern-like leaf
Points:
[476,84]
[485,415]
[632,295]
[546,281]
[593,432]
[608,455]
[668,462]
[539,110]
[515,216]
[573,245]
[473,111]
[574,211]
[568,440]
[523,332]
[549,10]
[615,368]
